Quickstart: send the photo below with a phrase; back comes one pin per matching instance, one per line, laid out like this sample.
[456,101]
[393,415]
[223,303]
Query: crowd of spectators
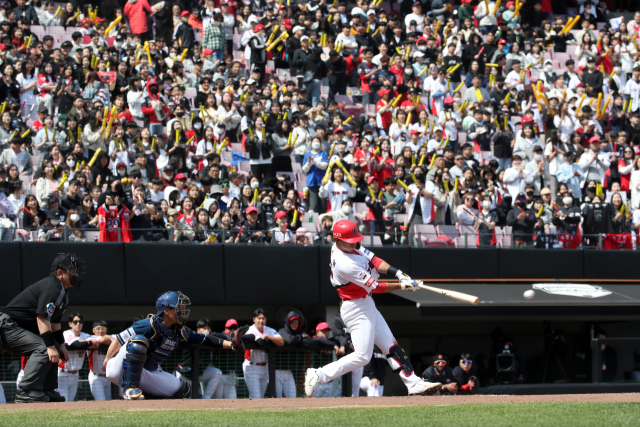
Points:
[516,123]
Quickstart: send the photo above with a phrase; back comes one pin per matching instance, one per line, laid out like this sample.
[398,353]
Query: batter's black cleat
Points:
[54,396]
[31,396]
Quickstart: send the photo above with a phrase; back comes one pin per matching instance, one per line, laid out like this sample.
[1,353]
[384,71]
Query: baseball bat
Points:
[452,294]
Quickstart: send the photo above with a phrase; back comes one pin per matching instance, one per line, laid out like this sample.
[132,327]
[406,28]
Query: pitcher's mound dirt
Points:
[344,402]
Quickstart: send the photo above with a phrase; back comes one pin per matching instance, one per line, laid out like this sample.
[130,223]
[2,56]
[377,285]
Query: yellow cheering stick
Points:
[408,120]
[604,109]
[327,173]
[459,87]
[492,65]
[433,160]
[479,95]
[413,177]
[272,35]
[332,148]
[112,25]
[403,184]
[627,208]
[422,159]
[224,143]
[278,40]
[256,195]
[455,68]
[599,104]
[142,146]
[27,132]
[540,212]
[184,53]
[293,143]
[4,106]
[506,123]
[346,122]
[455,185]
[464,106]
[495,120]
[95,157]
[506,98]
[630,105]
[584,95]
[62,181]
[146,45]
[413,159]
[373,196]
[29,41]
[438,26]
[423,70]
[495,8]
[58,11]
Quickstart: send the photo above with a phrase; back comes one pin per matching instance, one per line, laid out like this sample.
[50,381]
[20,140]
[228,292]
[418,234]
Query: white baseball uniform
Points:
[98,383]
[68,371]
[285,385]
[355,277]
[372,391]
[255,366]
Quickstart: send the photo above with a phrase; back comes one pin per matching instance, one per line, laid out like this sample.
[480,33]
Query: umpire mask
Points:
[76,266]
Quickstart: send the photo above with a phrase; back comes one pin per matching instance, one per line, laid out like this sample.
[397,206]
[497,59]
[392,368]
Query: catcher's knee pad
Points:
[133,362]
[184,392]
[399,361]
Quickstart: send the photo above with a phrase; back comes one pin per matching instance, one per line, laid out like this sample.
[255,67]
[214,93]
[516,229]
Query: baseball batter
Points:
[354,274]
[98,382]
[134,356]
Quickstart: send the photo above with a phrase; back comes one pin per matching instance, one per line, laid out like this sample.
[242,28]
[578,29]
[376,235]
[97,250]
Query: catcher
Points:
[135,355]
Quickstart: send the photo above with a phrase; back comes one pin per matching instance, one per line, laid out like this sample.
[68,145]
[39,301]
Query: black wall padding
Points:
[196,270]
[105,280]
[271,275]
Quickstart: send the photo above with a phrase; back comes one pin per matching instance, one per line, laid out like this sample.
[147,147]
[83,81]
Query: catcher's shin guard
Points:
[399,361]
[133,362]
[184,392]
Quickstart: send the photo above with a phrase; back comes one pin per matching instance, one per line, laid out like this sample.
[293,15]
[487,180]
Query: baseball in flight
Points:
[529,294]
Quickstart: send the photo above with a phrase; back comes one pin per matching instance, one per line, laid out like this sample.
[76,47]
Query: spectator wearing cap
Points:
[522,220]
[52,229]
[252,230]
[258,50]
[509,18]
[594,162]
[439,372]
[184,32]
[137,13]
[281,234]
[345,38]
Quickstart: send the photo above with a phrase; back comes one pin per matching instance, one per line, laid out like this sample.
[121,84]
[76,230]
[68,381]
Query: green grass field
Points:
[494,415]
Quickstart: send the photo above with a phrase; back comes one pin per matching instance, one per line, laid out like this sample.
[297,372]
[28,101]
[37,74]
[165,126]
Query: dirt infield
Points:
[346,402]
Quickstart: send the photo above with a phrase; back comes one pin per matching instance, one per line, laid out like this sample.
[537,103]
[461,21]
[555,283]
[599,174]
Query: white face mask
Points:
[74,217]
[408,70]
[71,163]
[346,209]
[255,185]
[538,157]
[122,172]
[548,68]
[486,204]
[567,200]
[197,126]
[617,70]
[422,48]
[315,145]
[172,55]
[55,222]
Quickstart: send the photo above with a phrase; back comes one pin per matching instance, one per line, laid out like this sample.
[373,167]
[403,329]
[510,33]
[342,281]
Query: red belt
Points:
[98,375]
[258,364]
[69,372]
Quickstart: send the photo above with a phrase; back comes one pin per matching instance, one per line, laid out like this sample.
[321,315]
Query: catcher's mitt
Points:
[236,338]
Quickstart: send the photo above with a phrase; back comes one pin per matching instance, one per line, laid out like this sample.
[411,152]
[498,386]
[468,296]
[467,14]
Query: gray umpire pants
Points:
[39,373]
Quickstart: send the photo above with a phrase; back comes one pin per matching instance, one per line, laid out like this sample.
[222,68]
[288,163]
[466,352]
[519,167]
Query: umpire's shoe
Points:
[54,396]
[25,395]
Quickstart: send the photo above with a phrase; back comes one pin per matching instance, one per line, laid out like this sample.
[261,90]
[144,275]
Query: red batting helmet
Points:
[347,231]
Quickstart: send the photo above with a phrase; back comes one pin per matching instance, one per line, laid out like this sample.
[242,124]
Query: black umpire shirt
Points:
[48,297]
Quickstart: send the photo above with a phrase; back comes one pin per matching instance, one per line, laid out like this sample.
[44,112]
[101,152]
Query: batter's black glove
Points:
[236,338]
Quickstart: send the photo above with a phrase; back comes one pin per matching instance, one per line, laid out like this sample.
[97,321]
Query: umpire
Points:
[30,326]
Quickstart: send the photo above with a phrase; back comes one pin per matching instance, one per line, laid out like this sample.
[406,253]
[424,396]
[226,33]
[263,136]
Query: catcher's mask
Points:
[177,300]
